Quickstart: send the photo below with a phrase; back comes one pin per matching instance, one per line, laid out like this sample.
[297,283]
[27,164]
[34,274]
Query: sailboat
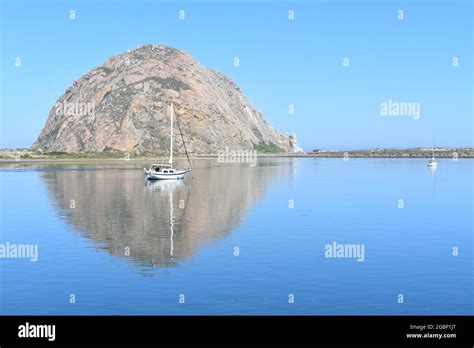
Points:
[432,162]
[166,171]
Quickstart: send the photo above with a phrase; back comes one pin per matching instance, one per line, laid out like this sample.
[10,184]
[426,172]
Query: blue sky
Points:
[282,62]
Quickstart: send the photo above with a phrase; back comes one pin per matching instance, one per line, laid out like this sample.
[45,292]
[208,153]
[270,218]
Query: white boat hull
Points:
[178,174]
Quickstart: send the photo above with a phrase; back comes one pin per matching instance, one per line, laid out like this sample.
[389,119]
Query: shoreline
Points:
[198,157]
[26,155]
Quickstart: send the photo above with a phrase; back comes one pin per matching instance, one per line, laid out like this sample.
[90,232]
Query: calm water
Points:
[182,238]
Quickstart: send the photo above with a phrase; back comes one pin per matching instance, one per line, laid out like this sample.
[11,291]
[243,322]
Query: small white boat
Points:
[166,171]
[432,162]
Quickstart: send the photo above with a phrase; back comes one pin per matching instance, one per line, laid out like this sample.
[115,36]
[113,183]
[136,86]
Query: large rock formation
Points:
[123,105]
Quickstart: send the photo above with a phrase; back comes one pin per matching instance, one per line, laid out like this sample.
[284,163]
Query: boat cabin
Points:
[162,168]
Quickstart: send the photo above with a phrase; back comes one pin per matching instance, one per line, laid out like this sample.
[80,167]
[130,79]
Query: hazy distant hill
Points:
[123,105]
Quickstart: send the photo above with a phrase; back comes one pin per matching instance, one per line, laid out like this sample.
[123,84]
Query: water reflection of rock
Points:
[119,209]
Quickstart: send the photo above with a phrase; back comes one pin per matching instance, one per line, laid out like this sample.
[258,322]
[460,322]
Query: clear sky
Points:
[282,62]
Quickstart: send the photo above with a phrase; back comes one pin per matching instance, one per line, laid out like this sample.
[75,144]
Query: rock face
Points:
[123,105]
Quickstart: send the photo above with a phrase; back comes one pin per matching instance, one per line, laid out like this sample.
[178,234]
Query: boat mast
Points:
[171,136]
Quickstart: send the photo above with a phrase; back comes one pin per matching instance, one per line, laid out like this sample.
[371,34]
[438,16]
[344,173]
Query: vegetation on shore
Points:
[418,152]
[268,148]
[263,150]
[33,154]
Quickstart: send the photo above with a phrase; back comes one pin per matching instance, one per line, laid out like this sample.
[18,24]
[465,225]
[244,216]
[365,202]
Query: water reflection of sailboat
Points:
[167,187]
[432,170]
[171,224]
[163,186]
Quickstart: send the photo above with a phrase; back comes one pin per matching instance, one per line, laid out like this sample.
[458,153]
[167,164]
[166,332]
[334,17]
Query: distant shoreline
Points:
[27,155]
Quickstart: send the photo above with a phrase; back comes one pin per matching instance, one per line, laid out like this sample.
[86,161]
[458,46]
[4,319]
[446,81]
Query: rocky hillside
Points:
[123,105]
